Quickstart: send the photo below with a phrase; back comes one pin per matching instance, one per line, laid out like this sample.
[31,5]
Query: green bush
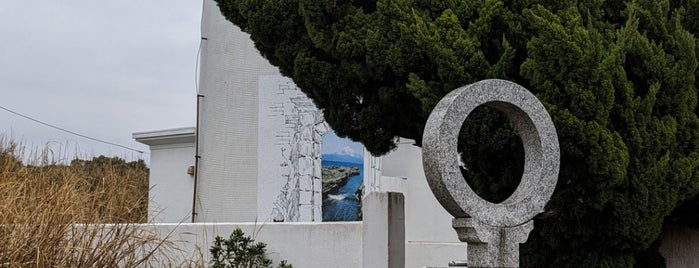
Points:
[241,251]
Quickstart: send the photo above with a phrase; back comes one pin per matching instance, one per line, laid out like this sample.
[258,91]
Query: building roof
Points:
[166,136]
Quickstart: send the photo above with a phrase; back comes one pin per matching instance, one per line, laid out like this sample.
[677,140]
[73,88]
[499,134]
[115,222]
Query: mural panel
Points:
[290,133]
[305,172]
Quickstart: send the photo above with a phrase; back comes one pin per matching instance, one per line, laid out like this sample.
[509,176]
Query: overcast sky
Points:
[104,69]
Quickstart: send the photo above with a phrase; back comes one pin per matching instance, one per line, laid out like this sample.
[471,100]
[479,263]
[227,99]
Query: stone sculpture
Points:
[493,231]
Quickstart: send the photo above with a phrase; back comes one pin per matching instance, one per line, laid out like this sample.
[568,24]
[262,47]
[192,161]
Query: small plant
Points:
[241,251]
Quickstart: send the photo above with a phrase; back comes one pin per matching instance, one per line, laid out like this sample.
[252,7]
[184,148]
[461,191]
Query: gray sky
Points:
[104,69]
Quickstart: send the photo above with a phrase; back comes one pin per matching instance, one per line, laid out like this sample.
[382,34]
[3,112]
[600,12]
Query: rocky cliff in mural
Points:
[335,177]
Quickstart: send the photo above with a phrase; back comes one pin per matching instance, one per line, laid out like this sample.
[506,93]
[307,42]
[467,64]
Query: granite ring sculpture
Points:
[539,138]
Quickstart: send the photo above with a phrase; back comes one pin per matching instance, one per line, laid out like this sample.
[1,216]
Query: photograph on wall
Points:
[343,176]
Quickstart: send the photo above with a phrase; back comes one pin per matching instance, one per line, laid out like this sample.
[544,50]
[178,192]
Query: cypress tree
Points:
[617,77]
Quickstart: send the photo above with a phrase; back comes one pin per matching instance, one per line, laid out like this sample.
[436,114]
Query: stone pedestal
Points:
[495,246]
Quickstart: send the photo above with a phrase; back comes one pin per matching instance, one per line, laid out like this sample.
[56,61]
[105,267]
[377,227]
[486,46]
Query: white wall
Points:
[316,244]
[171,187]
[230,66]
[301,244]
[384,225]
[427,223]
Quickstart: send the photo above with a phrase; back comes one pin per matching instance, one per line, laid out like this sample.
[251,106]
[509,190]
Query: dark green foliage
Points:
[241,251]
[650,258]
[686,214]
[618,77]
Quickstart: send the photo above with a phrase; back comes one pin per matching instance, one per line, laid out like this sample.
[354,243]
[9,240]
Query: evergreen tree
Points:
[618,78]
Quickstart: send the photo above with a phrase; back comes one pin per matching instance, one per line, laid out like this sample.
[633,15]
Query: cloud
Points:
[350,152]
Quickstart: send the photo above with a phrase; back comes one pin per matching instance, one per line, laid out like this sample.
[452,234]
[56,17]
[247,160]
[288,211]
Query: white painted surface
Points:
[384,230]
[372,173]
[230,66]
[171,187]
[301,244]
[427,223]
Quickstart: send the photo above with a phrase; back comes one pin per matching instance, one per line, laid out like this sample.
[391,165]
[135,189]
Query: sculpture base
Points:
[491,246]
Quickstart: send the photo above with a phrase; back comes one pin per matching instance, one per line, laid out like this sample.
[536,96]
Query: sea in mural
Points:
[343,176]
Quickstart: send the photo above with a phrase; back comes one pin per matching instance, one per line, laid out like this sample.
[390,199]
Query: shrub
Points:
[240,250]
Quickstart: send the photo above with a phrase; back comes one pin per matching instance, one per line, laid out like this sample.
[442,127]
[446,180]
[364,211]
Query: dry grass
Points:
[78,215]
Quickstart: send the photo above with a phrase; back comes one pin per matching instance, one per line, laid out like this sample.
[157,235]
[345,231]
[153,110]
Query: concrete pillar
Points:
[679,246]
[383,233]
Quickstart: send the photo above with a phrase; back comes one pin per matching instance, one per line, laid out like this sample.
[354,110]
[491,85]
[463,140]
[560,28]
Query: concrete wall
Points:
[230,66]
[383,230]
[301,244]
[376,242]
[680,247]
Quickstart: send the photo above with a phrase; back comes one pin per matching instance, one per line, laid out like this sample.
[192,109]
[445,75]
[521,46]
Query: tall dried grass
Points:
[78,215]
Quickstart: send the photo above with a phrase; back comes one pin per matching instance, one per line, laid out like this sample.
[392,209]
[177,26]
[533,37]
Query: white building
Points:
[226,185]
